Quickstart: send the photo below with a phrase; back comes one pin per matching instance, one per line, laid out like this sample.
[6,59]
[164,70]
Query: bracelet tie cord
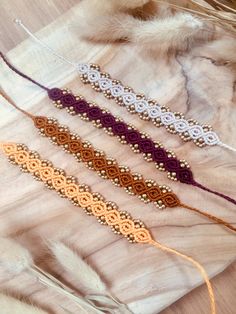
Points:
[107,168]
[174,122]
[177,170]
[106,212]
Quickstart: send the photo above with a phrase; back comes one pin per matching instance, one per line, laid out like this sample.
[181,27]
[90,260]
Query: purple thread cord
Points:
[202,187]
[185,176]
[20,73]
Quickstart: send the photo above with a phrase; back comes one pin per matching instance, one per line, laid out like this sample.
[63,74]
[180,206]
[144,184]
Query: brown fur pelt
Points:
[154,26]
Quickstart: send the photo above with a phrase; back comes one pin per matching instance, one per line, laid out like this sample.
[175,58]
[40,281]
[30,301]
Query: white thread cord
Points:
[19,22]
[181,125]
[232,149]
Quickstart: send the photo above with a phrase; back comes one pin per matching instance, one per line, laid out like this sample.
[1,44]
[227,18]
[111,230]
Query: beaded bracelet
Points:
[106,213]
[165,160]
[107,168]
[147,109]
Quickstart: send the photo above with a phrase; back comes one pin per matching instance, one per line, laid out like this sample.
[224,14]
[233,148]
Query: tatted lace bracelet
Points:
[147,109]
[165,160]
[107,168]
[106,212]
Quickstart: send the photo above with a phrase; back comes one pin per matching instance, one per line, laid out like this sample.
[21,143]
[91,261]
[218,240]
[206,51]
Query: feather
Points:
[162,32]
[15,259]
[168,34]
[10,305]
[107,28]
[76,266]
[88,278]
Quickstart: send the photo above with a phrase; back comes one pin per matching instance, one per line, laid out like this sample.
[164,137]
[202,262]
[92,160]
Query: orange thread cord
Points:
[93,203]
[11,102]
[107,168]
[211,217]
[197,265]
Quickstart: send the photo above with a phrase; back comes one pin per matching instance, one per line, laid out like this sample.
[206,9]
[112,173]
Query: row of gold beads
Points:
[82,188]
[144,115]
[150,183]
[160,166]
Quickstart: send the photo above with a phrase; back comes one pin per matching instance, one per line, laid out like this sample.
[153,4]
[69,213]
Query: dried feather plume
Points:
[10,305]
[214,11]
[105,20]
[162,26]
[15,259]
[75,265]
[96,289]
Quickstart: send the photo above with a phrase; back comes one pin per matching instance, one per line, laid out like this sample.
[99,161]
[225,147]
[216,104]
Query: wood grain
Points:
[190,84]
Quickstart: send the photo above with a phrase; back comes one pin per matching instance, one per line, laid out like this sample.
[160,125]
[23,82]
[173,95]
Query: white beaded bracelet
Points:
[174,122]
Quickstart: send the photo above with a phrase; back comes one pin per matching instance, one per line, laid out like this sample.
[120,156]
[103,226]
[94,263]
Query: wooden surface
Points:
[189,84]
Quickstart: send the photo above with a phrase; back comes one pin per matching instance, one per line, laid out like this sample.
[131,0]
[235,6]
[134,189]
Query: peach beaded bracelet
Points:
[106,213]
[165,160]
[107,168]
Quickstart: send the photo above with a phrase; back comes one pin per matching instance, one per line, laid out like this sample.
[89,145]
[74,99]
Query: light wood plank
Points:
[158,286]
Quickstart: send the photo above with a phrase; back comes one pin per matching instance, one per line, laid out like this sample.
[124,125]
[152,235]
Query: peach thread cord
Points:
[34,165]
[209,216]
[197,265]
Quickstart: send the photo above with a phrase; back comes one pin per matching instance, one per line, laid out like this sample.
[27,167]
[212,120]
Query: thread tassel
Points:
[196,264]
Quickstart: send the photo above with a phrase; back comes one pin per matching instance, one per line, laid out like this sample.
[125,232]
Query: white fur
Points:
[13,256]
[10,305]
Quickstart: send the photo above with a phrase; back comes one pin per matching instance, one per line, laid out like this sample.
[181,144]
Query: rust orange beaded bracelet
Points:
[164,160]
[135,184]
[106,213]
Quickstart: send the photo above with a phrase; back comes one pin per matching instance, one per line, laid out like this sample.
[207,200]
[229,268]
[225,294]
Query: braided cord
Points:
[165,160]
[174,122]
[108,168]
[80,195]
